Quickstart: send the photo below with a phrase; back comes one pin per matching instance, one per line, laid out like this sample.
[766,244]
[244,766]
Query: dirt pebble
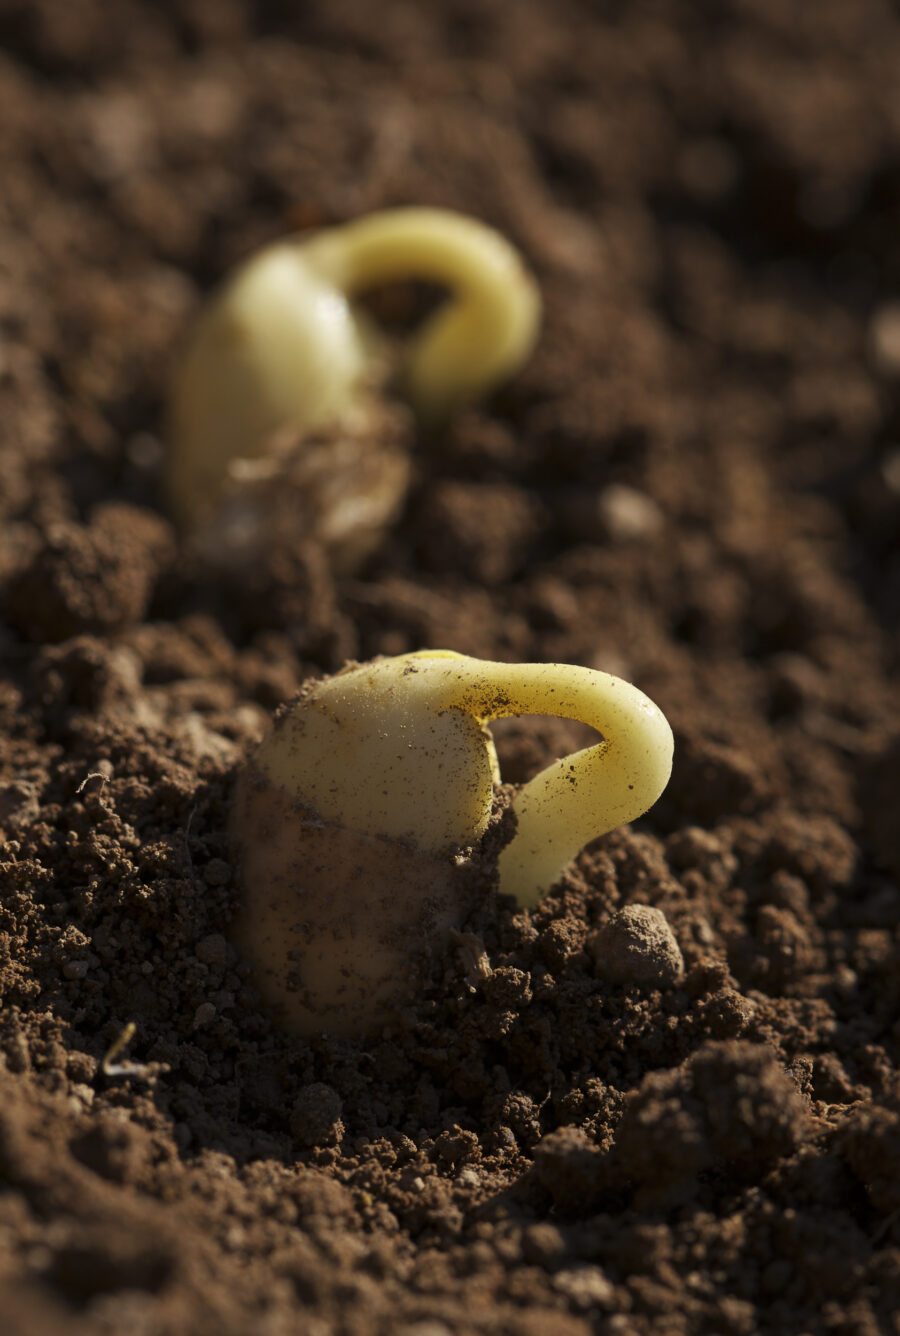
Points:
[637,946]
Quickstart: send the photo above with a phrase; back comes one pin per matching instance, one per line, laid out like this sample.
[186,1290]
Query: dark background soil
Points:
[710,196]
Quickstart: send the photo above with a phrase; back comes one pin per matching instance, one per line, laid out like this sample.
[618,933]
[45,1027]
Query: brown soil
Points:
[710,196]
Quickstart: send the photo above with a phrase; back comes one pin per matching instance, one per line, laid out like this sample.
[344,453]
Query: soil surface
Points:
[695,484]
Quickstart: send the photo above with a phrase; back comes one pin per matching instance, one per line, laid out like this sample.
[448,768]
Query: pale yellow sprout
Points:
[359,817]
[282,346]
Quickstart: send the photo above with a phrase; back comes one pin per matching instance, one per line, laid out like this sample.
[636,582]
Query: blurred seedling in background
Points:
[279,404]
[359,820]
[116,1067]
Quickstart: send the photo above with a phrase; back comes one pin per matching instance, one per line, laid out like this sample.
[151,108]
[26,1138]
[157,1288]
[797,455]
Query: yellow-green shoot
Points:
[285,345]
[357,818]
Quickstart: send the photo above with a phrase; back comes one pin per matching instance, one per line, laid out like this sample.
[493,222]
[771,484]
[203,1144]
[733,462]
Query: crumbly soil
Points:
[695,484]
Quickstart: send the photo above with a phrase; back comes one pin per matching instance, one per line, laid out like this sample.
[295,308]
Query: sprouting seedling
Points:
[356,818]
[140,1071]
[283,344]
